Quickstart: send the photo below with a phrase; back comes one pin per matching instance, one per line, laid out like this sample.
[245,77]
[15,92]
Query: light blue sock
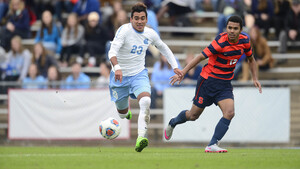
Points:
[181,118]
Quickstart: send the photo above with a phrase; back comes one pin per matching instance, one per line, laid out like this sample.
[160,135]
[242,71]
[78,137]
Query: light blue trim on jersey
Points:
[131,86]
[136,30]
[119,31]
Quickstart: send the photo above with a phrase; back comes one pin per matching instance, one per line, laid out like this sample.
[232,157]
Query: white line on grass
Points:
[45,155]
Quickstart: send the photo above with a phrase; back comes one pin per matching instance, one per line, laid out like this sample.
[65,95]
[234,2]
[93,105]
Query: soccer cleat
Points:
[168,132]
[129,115]
[141,143]
[215,149]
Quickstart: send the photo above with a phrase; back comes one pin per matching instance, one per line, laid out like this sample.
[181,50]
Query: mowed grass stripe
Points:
[150,158]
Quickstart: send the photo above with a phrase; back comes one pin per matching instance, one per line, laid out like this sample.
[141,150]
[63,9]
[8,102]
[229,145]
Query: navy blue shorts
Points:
[211,90]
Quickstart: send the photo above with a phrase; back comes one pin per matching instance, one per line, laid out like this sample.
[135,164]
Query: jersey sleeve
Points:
[164,50]
[117,42]
[248,49]
[213,48]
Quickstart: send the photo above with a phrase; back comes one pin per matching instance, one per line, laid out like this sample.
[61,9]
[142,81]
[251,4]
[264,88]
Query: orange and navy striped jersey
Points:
[223,56]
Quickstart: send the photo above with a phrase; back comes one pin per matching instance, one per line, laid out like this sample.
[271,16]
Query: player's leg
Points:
[200,101]
[144,115]
[227,107]
[143,121]
[119,93]
[185,115]
[122,107]
[140,87]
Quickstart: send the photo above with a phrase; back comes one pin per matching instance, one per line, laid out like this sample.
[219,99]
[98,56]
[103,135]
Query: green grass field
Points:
[150,158]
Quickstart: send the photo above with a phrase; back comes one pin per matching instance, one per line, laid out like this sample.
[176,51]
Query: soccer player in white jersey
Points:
[129,77]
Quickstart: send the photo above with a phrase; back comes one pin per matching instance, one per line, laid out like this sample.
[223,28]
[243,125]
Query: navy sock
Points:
[181,118]
[220,131]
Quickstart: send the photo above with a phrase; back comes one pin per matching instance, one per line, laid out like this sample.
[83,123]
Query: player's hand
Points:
[257,85]
[178,72]
[118,75]
[175,79]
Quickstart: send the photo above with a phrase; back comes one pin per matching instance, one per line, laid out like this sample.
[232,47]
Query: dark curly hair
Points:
[139,7]
[235,19]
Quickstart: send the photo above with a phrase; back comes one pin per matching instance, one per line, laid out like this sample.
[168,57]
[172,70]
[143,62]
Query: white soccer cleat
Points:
[215,149]
[168,132]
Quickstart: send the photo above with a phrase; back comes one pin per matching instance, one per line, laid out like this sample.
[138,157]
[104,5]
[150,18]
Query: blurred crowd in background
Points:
[77,33]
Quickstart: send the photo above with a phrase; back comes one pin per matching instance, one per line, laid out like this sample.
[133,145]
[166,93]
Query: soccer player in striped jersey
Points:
[129,77]
[214,82]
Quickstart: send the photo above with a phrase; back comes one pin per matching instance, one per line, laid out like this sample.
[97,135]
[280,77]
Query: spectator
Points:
[63,5]
[29,5]
[72,39]
[292,27]
[282,7]
[77,80]
[162,71]
[84,7]
[249,18]
[228,8]
[17,62]
[155,5]
[151,16]
[103,80]
[53,77]
[3,9]
[262,53]
[33,80]
[49,33]
[175,8]
[263,11]
[116,19]
[17,24]
[42,59]
[206,5]
[2,62]
[194,73]
[42,5]
[96,37]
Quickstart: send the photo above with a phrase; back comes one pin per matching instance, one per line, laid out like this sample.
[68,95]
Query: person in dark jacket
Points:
[18,23]
[96,37]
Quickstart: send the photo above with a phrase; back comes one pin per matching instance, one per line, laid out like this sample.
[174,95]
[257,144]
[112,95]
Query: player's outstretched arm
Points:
[253,69]
[193,63]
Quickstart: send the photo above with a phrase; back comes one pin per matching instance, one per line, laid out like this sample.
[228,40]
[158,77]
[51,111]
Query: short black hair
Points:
[236,19]
[139,7]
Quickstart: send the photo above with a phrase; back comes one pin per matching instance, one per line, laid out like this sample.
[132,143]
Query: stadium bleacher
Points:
[288,71]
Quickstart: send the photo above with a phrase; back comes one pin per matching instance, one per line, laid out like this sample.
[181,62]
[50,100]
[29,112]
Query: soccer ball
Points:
[110,128]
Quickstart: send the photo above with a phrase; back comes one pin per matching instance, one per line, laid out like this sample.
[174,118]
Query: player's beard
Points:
[232,37]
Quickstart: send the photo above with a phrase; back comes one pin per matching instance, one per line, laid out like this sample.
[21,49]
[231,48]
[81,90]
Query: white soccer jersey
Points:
[129,46]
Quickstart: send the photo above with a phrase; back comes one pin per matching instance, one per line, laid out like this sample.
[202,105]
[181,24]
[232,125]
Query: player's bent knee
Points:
[229,115]
[145,102]
[193,117]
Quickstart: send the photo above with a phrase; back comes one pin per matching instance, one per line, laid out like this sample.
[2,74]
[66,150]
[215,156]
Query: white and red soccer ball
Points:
[110,128]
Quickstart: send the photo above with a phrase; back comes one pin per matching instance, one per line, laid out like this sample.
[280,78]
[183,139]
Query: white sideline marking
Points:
[47,155]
